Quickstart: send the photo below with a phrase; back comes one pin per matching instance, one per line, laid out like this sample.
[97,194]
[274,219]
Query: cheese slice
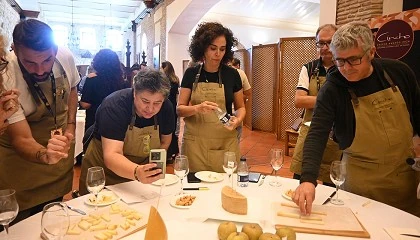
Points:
[234,202]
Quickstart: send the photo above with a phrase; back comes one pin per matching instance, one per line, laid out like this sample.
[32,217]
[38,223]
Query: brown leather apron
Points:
[379,171]
[36,183]
[331,152]
[137,145]
[205,139]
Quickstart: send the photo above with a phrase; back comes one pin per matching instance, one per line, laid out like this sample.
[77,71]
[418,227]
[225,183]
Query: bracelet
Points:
[74,123]
[135,174]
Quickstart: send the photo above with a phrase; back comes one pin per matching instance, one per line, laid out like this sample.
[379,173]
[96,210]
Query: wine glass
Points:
[95,182]
[229,164]
[276,161]
[338,174]
[181,169]
[55,220]
[9,208]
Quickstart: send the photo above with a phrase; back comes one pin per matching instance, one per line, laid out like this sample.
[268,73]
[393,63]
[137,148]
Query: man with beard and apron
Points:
[374,105]
[206,89]
[36,153]
[128,124]
[312,77]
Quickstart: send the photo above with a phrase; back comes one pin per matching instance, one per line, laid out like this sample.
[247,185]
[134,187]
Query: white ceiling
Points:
[267,13]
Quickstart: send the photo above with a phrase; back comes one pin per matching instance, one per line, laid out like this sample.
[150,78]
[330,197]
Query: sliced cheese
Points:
[234,202]
[84,225]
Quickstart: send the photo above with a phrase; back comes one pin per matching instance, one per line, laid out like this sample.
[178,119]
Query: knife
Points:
[76,210]
[410,235]
[262,180]
[329,198]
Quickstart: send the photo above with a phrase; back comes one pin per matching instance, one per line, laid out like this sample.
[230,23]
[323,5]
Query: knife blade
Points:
[262,180]
[329,198]
[76,210]
[410,235]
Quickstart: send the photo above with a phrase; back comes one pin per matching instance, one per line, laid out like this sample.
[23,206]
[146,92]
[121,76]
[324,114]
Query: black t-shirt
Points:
[230,79]
[94,91]
[114,115]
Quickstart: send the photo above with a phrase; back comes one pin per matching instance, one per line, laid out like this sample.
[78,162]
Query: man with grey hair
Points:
[128,124]
[373,106]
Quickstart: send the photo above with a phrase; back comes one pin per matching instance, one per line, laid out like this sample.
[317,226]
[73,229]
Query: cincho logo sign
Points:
[394,39]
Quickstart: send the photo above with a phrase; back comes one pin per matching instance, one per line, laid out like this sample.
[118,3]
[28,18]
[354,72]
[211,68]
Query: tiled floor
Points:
[255,145]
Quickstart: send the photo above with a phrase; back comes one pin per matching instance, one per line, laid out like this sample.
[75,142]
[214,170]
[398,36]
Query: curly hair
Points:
[107,65]
[205,34]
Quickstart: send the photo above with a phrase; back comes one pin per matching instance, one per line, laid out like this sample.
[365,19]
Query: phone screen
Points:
[254,177]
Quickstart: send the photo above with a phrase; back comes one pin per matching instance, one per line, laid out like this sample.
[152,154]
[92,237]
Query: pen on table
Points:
[329,198]
[197,188]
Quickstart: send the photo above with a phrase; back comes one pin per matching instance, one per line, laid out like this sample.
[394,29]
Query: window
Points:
[61,35]
[88,39]
[113,40]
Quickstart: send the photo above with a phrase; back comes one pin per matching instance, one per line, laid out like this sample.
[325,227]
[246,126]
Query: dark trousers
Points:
[31,211]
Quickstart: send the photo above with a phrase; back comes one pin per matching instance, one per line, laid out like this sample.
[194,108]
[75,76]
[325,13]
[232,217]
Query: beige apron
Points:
[137,145]
[379,171]
[36,183]
[331,152]
[205,138]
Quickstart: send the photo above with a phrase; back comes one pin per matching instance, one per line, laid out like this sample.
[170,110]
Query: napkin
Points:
[394,233]
[133,192]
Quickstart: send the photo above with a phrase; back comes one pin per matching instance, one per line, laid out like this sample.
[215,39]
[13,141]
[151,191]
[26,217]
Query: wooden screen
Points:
[294,53]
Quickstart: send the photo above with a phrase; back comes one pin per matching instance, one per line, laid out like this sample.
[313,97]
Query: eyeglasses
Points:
[322,44]
[3,64]
[352,61]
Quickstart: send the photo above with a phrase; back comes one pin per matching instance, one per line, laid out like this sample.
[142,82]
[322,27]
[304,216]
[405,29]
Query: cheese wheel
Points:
[234,202]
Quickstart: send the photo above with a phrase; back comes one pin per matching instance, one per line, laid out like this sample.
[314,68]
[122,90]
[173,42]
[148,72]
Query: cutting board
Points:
[336,221]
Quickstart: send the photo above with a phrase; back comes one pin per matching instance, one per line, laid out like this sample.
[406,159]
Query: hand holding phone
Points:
[158,156]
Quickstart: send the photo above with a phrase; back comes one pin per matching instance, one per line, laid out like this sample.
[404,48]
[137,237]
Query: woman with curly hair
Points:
[205,89]
[169,71]
[108,79]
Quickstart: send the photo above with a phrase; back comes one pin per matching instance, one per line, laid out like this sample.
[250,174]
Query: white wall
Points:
[392,6]
[328,12]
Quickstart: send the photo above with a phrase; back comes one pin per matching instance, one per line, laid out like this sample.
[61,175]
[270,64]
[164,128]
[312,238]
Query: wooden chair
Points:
[290,142]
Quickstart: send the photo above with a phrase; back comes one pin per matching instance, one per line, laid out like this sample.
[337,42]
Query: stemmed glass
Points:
[181,169]
[9,208]
[95,182]
[55,220]
[276,161]
[338,174]
[229,164]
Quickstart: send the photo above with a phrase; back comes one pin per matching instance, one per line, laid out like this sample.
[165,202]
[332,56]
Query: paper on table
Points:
[394,233]
[134,192]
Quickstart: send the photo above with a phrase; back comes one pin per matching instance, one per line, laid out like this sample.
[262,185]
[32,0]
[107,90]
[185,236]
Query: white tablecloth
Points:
[188,223]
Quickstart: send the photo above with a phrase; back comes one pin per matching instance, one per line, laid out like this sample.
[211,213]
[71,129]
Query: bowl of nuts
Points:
[183,201]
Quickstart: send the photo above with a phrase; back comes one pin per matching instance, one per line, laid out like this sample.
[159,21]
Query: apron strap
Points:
[133,117]
[389,80]
[220,76]
[354,98]
[197,76]
[155,122]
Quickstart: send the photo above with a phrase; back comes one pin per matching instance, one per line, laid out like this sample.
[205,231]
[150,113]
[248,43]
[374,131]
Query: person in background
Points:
[90,73]
[373,106]
[108,79]
[36,151]
[128,124]
[8,98]
[312,77]
[169,71]
[205,88]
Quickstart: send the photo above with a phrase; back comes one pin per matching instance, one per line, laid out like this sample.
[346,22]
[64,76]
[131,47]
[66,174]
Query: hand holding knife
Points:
[329,198]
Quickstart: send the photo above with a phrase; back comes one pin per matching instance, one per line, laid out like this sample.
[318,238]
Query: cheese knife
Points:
[262,180]
[410,235]
[329,198]
[76,210]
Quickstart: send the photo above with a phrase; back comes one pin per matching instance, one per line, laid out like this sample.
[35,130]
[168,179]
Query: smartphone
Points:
[192,178]
[254,177]
[158,156]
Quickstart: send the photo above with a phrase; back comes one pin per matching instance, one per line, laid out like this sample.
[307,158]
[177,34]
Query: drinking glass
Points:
[229,164]
[276,161]
[95,182]
[338,176]
[55,220]
[9,208]
[181,169]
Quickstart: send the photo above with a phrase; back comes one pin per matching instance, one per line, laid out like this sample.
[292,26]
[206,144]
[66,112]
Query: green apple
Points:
[253,230]
[269,236]
[225,229]
[286,232]
[238,236]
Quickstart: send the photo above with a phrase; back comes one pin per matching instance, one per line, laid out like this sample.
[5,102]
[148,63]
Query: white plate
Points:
[168,180]
[105,197]
[175,198]
[208,176]
[287,196]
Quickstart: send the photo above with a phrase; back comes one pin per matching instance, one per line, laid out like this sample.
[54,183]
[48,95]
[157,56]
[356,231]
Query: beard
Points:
[33,76]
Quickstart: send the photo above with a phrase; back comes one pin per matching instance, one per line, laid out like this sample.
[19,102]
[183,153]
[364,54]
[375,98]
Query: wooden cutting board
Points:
[336,221]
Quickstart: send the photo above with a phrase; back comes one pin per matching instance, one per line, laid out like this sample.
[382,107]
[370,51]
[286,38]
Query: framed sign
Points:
[156,56]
